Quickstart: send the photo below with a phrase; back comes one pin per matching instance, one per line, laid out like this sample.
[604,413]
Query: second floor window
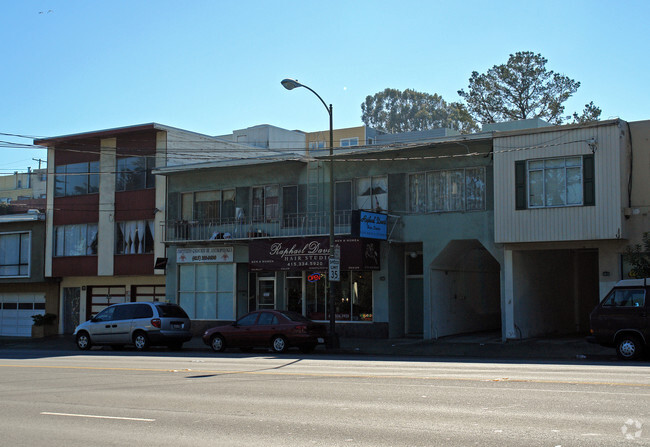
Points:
[76,179]
[266,203]
[317,145]
[347,142]
[372,193]
[217,205]
[134,237]
[134,173]
[449,190]
[14,254]
[75,240]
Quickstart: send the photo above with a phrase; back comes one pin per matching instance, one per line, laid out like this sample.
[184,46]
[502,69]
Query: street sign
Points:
[335,269]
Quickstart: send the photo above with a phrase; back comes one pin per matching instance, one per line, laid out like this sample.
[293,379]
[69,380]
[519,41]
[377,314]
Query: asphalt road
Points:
[106,398]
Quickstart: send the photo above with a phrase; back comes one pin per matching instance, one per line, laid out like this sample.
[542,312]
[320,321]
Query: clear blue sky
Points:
[72,66]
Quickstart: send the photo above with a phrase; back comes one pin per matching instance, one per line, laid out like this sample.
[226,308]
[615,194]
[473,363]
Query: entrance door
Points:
[414,306]
[266,293]
[71,302]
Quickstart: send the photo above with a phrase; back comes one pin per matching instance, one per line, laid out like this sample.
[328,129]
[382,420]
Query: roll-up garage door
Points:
[16,310]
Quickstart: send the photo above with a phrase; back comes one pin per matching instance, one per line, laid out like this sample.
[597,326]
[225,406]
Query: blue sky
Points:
[212,67]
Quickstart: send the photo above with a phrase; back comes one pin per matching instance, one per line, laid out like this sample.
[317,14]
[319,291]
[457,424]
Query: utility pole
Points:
[39,161]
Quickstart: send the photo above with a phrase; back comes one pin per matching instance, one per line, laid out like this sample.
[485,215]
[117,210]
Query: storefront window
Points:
[294,292]
[353,298]
[206,291]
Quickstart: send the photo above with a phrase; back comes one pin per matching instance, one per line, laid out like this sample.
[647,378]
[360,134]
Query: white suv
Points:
[140,324]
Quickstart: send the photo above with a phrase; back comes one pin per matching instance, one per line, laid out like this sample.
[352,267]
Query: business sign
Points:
[311,253]
[369,225]
[211,254]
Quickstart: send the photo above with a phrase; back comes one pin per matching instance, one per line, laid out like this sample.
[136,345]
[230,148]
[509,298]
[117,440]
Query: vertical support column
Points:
[161,200]
[49,212]
[509,299]
[106,224]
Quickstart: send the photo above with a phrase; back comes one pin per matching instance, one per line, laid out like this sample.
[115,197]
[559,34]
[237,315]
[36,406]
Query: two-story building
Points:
[24,289]
[250,234]
[568,200]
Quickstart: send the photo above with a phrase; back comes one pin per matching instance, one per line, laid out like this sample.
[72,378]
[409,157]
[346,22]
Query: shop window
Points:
[353,302]
[75,240]
[76,179]
[206,291]
[14,254]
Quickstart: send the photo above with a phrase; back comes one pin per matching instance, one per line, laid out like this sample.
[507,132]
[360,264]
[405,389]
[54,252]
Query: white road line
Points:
[96,416]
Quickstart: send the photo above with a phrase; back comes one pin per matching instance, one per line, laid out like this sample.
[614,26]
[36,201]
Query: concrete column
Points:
[106,224]
[509,299]
[161,200]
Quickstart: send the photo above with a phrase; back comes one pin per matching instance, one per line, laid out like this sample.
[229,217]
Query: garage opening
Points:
[465,289]
[554,291]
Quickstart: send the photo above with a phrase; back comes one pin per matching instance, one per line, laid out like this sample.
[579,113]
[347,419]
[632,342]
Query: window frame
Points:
[349,142]
[148,180]
[149,237]
[91,181]
[427,205]
[90,249]
[266,204]
[22,253]
[545,182]
[374,180]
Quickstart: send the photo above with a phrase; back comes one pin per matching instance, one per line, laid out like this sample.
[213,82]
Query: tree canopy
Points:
[523,88]
[396,111]
[638,256]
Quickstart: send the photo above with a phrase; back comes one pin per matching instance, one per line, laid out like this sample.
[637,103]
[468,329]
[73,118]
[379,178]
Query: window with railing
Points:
[266,203]
[214,206]
[342,202]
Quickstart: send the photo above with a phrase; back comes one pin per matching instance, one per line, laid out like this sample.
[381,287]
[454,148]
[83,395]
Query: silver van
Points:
[142,324]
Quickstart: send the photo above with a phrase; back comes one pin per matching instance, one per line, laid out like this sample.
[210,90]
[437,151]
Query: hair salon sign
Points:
[311,253]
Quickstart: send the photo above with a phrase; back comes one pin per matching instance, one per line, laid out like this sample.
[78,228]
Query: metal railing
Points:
[288,225]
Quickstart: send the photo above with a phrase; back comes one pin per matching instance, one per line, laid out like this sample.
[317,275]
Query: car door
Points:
[622,309]
[242,331]
[121,325]
[100,328]
[267,325]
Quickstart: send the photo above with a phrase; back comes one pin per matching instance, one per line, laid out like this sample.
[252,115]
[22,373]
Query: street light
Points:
[290,84]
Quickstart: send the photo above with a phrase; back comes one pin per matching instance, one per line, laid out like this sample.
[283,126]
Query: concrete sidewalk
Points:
[473,346]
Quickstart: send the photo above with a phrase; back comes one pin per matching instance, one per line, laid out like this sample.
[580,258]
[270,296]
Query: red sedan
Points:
[277,329]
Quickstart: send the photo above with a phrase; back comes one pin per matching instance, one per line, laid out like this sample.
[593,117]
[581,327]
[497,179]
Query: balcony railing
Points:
[288,225]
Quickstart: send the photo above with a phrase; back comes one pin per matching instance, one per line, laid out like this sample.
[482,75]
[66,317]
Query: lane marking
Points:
[340,376]
[94,416]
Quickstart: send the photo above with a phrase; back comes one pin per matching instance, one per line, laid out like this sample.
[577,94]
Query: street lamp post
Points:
[290,84]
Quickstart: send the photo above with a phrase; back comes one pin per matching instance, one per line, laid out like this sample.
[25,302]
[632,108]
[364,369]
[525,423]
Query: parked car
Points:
[621,320]
[277,329]
[142,324]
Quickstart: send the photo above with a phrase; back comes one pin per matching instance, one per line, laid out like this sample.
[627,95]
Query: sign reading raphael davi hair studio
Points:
[311,253]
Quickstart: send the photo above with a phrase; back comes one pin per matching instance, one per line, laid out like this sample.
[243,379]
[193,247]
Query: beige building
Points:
[568,200]
[23,186]
[346,137]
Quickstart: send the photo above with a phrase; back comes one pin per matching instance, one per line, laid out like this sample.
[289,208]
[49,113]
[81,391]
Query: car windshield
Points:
[294,316]
[171,311]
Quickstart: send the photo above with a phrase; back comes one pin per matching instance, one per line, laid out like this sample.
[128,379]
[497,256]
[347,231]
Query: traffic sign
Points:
[335,269]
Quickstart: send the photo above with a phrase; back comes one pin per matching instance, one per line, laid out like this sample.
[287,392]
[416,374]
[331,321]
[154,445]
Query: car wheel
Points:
[217,343]
[306,349]
[279,344]
[141,341]
[629,347]
[83,341]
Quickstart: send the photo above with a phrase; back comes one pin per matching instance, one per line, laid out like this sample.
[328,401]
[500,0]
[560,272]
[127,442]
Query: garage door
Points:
[16,310]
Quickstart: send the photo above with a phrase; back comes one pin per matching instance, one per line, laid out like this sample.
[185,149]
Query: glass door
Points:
[266,293]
